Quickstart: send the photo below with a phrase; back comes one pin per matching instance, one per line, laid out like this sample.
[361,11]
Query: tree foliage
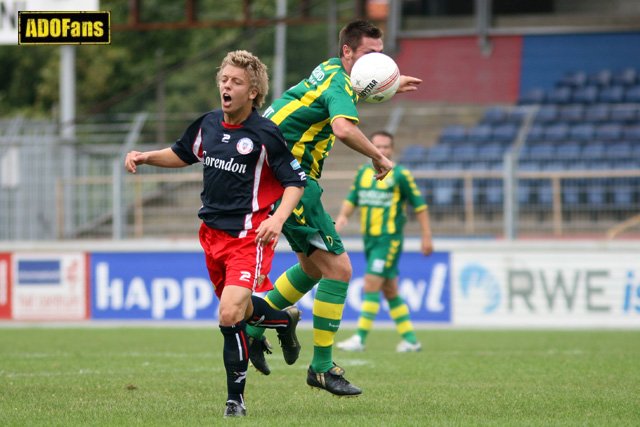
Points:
[124,76]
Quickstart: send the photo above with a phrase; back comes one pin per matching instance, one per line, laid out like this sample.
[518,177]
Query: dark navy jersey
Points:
[245,169]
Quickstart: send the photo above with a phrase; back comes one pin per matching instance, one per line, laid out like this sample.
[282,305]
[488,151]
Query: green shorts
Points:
[310,227]
[383,255]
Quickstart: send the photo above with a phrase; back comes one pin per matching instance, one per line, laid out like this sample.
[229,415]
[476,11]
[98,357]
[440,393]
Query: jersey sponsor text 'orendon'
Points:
[224,165]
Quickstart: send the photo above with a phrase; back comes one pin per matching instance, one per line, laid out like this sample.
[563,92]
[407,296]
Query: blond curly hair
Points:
[257,71]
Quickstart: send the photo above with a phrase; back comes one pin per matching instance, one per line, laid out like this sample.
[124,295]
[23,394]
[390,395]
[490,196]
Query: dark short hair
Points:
[352,33]
[382,133]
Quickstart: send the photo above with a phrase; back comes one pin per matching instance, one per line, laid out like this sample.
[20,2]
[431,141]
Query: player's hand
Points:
[426,246]
[408,84]
[133,159]
[382,167]
[341,222]
[268,232]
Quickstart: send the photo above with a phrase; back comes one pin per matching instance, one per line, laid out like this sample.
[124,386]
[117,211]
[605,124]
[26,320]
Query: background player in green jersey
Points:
[382,206]
[311,115]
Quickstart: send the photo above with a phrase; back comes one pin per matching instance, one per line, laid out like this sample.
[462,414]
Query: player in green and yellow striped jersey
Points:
[311,115]
[382,206]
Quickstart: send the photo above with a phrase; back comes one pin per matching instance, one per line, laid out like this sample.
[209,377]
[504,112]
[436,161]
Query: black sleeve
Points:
[284,166]
[189,146]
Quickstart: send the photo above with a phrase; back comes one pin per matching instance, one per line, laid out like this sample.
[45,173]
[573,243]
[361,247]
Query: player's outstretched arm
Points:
[352,136]
[426,243]
[408,84]
[165,158]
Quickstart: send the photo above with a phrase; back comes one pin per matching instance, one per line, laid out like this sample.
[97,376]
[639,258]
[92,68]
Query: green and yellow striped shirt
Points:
[304,113]
[383,203]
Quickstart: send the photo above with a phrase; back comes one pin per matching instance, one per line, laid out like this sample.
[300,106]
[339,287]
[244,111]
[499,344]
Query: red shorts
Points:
[237,261]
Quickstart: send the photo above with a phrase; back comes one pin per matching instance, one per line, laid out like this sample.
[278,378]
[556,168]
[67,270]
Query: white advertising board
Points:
[546,289]
[49,286]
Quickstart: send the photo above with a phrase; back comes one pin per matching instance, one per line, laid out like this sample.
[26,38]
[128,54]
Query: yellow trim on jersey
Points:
[352,118]
[308,99]
[421,208]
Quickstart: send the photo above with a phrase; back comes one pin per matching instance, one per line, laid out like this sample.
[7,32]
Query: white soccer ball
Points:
[375,77]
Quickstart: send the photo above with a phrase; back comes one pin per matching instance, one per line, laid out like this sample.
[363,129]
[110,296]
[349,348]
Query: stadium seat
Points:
[544,193]
[518,114]
[624,113]
[453,133]
[570,150]
[540,151]
[624,193]
[536,133]
[505,133]
[413,154]
[556,132]
[571,113]
[572,192]
[612,94]
[597,113]
[608,132]
[585,95]
[559,95]
[439,152]
[446,192]
[632,133]
[582,132]
[495,115]
[532,96]
[632,94]
[479,133]
[493,192]
[491,151]
[596,193]
[619,150]
[600,78]
[626,77]
[546,113]
[593,150]
[574,79]
[463,152]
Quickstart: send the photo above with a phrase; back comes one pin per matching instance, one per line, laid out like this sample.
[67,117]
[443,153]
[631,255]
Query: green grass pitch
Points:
[173,376]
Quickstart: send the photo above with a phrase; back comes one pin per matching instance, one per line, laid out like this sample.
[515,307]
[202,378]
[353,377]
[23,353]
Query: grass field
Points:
[164,376]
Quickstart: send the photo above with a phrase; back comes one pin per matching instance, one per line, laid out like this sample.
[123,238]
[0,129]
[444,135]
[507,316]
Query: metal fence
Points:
[52,189]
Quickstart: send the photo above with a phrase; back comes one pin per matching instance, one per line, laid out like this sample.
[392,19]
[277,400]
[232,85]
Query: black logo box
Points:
[59,27]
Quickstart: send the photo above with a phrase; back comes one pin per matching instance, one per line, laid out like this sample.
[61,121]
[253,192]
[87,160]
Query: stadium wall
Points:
[541,284]
[456,70]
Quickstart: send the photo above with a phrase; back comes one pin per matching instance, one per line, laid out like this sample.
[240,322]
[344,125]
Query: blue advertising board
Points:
[175,286]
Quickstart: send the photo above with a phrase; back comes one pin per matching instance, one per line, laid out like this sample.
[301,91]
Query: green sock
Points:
[287,290]
[399,312]
[368,312]
[327,314]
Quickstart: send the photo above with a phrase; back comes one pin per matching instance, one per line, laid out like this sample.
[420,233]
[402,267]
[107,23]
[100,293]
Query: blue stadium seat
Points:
[597,113]
[476,165]
[568,150]
[533,96]
[624,193]
[544,193]
[557,132]
[518,114]
[574,79]
[619,150]
[414,153]
[585,95]
[492,151]
[608,132]
[572,192]
[439,152]
[600,78]
[582,132]
[446,192]
[572,113]
[626,77]
[495,115]
[525,191]
[464,152]
[632,133]
[612,94]
[624,113]
[536,133]
[493,192]
[554,165]
[479,133]
[540,151]
[593,150]
[559,95]
[632,94]
[453,133]
[547,113]
[505,133]
[596,194]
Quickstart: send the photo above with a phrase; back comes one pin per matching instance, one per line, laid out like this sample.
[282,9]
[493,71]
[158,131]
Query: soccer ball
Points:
[375,77]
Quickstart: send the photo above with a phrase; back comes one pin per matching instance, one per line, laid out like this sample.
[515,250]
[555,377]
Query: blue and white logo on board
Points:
[478,283]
